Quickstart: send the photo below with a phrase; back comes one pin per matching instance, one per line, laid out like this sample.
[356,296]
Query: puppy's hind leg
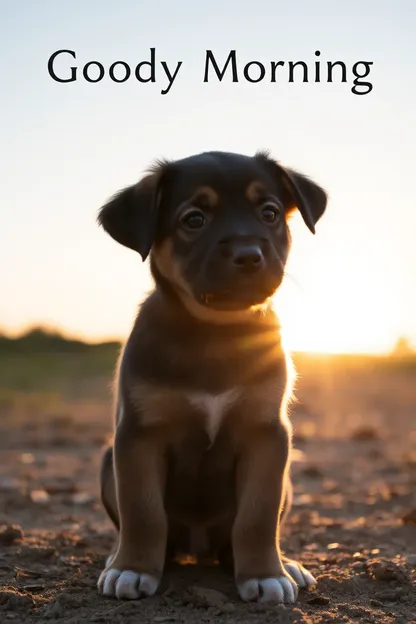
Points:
[108,490]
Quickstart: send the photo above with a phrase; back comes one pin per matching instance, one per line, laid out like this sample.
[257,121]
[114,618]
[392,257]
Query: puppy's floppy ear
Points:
[305,195]
[301,193]
[130,216]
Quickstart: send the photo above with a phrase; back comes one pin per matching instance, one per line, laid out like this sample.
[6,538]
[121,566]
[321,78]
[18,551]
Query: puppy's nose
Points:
[248,258]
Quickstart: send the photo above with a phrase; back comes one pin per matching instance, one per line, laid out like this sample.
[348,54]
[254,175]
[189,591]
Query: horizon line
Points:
[65,334]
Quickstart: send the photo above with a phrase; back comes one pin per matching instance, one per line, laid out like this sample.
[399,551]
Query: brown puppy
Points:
[201,452]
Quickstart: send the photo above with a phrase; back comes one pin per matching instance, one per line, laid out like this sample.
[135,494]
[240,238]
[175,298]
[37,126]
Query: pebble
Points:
[10,534]
[82,498]
[312,472]
[39,496]
[318,600]
[333,546]
[211,597]
[364,434]
[375,603]
[60,486]
[386,571]
[389,595]
[410,517]
[55,610]
[15,601]
[8,484]
[33,587]
[358,566]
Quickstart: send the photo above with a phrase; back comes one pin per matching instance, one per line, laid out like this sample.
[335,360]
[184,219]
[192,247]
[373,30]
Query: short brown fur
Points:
[201,455]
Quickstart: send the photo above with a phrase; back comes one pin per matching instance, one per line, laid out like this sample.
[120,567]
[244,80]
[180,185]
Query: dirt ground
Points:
[353,524]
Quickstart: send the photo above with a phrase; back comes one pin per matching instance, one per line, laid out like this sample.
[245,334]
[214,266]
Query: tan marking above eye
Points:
[207,194]
[203,197]
[255,191]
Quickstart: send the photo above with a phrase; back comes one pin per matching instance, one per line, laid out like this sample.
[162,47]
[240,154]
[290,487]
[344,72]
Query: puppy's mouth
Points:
[229,300]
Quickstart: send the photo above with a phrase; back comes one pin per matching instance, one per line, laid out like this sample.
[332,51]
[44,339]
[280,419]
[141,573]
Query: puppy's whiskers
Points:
[292,279]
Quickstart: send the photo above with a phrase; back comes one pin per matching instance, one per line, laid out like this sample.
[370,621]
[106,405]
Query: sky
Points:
[67,147]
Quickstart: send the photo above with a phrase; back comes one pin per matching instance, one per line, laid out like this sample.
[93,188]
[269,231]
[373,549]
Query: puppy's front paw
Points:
[277,589]
[126,584]
[299,574]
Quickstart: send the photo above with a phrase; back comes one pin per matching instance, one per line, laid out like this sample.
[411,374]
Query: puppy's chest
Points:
[202,452]
[212,408]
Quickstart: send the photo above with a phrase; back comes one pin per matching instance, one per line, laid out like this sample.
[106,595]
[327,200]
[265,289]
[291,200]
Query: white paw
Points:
[280,589]
[299,574]
[126,584]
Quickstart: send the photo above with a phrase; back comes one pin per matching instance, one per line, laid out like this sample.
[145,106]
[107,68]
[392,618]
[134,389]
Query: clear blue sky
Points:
[66,147]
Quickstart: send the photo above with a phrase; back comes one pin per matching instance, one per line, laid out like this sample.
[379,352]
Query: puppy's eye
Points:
[194,220]
[270,213]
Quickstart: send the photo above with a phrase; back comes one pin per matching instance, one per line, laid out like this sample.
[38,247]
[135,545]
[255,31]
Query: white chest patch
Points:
[214,407]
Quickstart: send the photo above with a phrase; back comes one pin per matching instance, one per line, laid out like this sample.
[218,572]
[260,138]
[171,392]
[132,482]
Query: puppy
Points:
[201,451]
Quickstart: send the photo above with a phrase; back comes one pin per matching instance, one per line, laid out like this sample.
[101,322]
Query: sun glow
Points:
[319,322]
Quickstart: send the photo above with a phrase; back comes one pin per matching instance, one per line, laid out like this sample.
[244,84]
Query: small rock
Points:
[389,595]
[33,587]
[383,570]
[82,498]
[359,556]
[60,486]
[55,610]
[10,534]
[410,517]
[358,566]
[27,458]
[8,484]
[318,600]
[39,496]
[375,603]
[14,601]
[364,434]
[312,472]
[211,597]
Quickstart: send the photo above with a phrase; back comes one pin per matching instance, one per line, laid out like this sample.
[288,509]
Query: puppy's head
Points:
[215,225]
